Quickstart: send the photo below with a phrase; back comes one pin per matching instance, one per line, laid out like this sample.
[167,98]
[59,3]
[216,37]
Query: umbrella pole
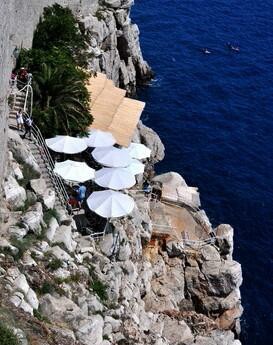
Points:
[106,226]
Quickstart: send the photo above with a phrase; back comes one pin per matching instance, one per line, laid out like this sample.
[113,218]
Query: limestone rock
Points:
[17,172]
[167,291]
[112,3]
[107,244]
[59,309]
[38,186]
[227,319]
[210,253]
[172,179]
[124,251]
[203,219]
[63,235]
[149,138]
[64,333]
[32,299]
[89,330]
[60,254]
[224,233]
[41,190]
[21,153]
[21,336]
[115,324]
[18,232]
[16,300]
[26,307]
[15,195]
[28,260]
[222,338]
[21,284]
[94,305]
[33,218]
[51,229]
[177,332]
[49,198]
[223,279]
[5,245]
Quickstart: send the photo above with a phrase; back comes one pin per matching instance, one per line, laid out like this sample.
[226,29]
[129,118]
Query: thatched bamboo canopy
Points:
[112,111]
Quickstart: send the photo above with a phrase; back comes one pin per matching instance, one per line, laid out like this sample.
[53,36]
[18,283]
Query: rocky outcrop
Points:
[114,45]
[150,138]
[129,287]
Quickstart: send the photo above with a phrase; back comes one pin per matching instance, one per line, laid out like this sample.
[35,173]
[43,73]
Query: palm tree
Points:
[61,100]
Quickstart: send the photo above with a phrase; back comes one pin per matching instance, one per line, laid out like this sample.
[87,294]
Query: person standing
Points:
[28,127]
[19,120]
[81,194]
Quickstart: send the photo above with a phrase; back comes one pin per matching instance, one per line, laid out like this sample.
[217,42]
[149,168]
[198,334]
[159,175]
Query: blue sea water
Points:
[214,114]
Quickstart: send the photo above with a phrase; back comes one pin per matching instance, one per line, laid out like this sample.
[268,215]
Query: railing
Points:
[40,142]
[46,156]
[192,210]
[191,243]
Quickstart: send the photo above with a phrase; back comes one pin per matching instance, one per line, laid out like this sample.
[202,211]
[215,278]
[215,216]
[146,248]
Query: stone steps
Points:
[42,163]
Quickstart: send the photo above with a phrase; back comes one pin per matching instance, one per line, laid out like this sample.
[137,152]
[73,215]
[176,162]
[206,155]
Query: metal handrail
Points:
[44,151]
[189,242]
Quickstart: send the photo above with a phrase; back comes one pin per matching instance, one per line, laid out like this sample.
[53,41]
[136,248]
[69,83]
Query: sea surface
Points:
[214,114]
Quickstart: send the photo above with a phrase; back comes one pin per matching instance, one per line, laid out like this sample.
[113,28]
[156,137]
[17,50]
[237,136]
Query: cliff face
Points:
[131,287]
[114,44]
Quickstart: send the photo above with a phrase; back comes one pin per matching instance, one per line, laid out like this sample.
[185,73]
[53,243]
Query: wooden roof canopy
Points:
[112,111]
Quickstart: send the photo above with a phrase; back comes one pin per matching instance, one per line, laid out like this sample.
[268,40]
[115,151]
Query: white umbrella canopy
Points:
[74,171]
[110,204]
[98,138]
[138,151]
[115,178]
[66,144]
[136,167]
[112,157]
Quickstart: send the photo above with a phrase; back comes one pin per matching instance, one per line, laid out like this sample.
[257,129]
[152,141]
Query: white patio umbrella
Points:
[115,178]
[136,167]
[110,204]
[138,151]
[98,138]
[112,157]
[74,171]
[66,144]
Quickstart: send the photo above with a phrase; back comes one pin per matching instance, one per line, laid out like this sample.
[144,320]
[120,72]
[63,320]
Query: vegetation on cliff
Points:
[7,337]
[56,60]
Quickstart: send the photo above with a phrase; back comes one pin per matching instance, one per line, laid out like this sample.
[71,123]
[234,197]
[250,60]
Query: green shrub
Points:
[54,264]
[99,288]
[28,203]
[39,316]
[47,287]
[7,337]
[49,214]
[61,99]
[59,28]
[28,174]
[73,278]
[22,245]
[100,14]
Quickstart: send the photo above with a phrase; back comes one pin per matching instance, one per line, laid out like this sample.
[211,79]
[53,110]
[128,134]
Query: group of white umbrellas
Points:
[120,168]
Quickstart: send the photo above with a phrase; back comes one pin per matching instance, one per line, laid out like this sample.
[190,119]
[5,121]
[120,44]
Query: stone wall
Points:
[114,46]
